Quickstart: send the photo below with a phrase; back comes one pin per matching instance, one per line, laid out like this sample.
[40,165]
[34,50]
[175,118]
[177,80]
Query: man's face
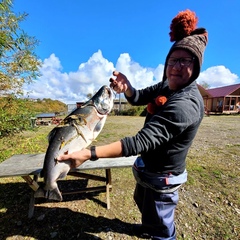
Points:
[179,69]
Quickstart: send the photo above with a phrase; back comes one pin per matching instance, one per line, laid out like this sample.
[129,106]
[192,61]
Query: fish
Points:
[76,132]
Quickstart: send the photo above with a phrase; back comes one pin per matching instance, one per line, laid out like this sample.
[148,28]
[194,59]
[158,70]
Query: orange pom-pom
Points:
[151,108]
[160,100]
[182,25]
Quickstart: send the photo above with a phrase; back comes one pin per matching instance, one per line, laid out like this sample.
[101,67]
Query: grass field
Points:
[209,206]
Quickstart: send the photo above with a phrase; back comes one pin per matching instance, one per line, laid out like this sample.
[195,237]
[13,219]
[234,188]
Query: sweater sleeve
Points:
[144,96]
[171,120]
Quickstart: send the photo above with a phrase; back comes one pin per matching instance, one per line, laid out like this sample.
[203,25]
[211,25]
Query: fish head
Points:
[102,100]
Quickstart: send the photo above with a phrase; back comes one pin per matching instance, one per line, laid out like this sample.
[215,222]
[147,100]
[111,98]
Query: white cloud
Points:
[91,75]
[218,76]
[139,77]
[73,86]
[51,63]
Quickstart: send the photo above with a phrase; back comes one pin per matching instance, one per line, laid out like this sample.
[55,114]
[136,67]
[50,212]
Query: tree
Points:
[18,65]
[89,95]
[18,62]
[205,84]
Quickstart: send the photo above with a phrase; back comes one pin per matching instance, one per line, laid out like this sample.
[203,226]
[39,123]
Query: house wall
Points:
[230,103]
[207,104]
[222,104]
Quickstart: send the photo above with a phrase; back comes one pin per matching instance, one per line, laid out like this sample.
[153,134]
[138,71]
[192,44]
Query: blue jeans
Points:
[157,211]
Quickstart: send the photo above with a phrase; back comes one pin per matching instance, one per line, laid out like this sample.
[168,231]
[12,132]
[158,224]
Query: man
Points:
[175,110]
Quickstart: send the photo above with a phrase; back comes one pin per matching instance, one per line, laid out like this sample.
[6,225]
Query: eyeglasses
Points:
[184,62]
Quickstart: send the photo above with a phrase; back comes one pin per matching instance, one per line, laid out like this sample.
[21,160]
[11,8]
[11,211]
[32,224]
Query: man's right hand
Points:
[120,84]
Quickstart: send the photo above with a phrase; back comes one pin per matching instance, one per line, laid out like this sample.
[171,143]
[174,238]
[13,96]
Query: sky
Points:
[82,42]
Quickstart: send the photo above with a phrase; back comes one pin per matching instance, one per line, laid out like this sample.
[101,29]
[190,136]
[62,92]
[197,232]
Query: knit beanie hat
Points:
[188,37]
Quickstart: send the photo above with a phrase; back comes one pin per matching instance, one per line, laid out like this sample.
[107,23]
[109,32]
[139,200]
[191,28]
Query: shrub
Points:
[14,116]
[134,111]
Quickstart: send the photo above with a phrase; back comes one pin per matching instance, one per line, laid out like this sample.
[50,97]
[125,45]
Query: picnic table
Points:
[29,166]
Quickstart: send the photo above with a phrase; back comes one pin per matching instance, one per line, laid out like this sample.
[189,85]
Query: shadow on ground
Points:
[50,221]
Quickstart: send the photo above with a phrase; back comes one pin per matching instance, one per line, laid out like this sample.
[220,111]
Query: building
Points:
[222,99]
[71,107]
[47,119]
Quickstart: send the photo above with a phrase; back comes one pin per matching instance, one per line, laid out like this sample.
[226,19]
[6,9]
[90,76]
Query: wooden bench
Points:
[29,166]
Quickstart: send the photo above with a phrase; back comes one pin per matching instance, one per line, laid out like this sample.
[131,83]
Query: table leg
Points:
[34,185]
[108,186]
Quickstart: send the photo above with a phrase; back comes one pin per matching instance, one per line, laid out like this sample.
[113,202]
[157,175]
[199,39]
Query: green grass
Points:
[209,206]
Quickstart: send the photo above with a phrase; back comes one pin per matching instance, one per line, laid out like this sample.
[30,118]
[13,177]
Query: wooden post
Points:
[108,186]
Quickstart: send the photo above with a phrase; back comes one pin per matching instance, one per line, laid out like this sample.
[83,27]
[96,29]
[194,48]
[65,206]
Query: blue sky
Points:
[82,42]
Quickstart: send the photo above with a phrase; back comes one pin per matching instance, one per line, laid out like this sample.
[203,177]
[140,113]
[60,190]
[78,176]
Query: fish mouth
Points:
[110,92]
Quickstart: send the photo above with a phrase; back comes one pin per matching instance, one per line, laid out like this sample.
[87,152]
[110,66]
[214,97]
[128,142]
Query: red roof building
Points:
[222,99]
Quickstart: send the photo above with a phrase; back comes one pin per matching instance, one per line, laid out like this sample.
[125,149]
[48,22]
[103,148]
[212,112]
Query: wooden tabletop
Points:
[32,164]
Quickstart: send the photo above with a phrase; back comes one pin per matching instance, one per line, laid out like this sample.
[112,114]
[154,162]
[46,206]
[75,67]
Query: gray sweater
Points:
[164,141]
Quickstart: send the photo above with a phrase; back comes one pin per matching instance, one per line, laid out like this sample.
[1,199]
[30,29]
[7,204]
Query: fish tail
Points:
[53,194]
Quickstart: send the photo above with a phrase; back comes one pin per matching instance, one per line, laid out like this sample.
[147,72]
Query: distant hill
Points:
[15,113]
[46,105]
[32,105]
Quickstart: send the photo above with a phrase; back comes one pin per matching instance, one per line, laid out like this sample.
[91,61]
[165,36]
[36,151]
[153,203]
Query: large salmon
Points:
[74,133]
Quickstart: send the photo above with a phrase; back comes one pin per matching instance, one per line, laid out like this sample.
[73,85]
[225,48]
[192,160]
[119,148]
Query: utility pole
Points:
[119,103]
